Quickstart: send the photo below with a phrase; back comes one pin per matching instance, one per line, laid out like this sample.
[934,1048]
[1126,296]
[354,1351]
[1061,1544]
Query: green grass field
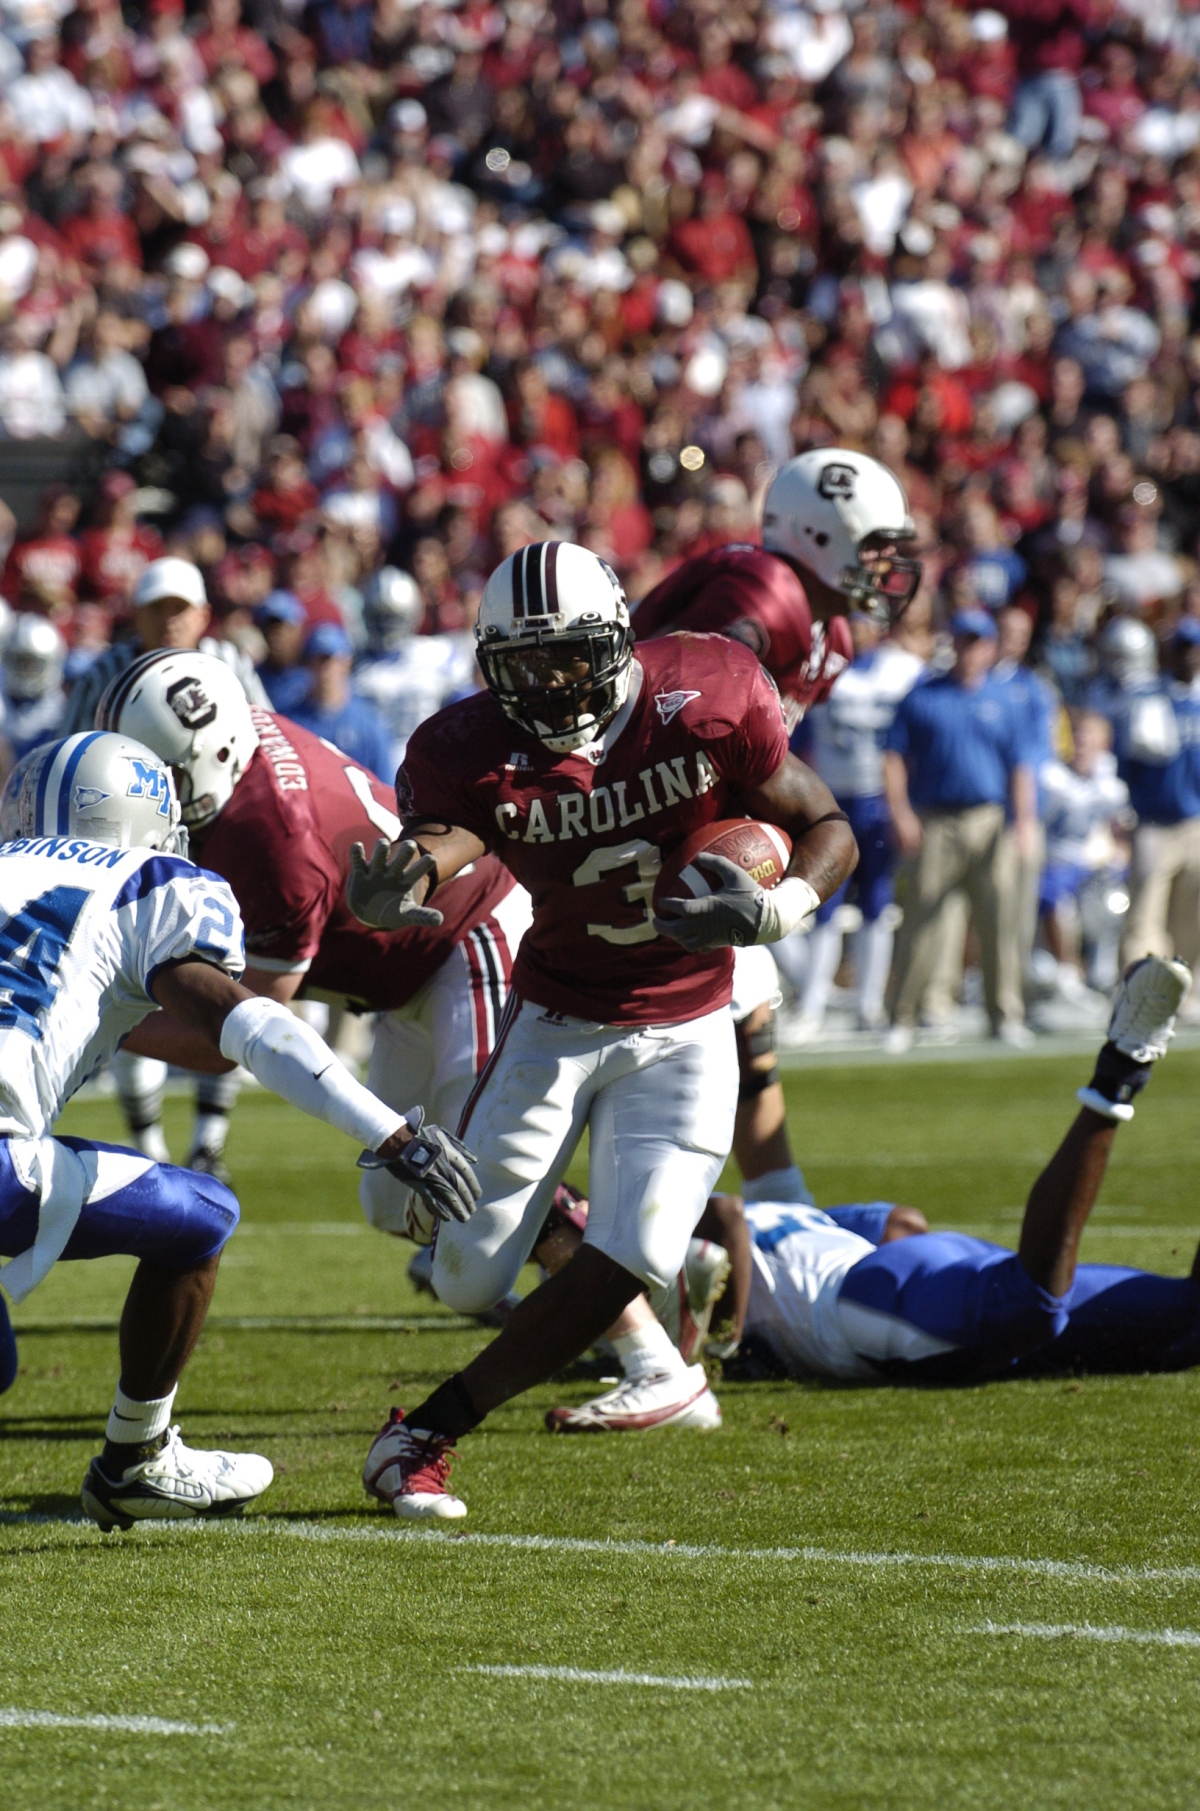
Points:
[841,1561]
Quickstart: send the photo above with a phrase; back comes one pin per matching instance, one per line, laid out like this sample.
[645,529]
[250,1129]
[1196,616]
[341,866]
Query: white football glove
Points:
[379,891]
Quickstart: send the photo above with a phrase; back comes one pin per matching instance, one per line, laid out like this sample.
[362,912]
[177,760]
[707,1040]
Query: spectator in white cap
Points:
[170,610]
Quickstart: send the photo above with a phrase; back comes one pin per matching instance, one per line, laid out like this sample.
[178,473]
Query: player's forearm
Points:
[167,1039]
[452,849]
[278,1049]
[798,801]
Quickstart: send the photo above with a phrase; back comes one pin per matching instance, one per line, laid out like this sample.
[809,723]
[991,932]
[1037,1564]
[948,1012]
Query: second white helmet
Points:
[191,710]
[828,507]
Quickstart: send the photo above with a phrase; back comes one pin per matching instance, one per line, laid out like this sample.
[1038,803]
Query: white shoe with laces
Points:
[683,1400]
[1147,999]
[178,1482]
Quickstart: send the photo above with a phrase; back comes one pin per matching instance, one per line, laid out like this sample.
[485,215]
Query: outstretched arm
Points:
[287,1056]
[387,892]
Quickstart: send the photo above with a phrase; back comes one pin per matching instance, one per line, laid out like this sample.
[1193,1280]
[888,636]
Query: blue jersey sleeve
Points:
[866,1218]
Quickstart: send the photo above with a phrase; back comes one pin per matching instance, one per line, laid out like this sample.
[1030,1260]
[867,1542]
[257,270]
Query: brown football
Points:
[763,850]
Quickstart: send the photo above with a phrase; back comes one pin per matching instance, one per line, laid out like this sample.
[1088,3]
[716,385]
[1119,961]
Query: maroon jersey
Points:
[753,594]
[283,844]
[585,833]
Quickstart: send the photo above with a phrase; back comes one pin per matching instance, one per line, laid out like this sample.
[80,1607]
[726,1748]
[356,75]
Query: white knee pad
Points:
[466,1280]
[391,1206]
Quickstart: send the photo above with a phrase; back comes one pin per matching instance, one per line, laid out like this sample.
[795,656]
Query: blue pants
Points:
[171,1217]
[977,1298]
[870,885]
[1048,110]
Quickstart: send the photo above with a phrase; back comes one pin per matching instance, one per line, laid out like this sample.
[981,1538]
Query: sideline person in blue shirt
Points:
[334,710]
[954,769]
[284,676]
[1158,757]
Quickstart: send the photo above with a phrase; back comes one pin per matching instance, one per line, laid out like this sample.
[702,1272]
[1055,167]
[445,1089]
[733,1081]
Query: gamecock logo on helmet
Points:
[837,481]
[191,704]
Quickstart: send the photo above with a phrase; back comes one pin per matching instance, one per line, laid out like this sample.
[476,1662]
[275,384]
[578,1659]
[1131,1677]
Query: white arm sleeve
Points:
[288,1057]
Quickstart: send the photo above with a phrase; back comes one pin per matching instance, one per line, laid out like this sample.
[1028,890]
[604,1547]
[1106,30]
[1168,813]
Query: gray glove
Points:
[435,1166]
[731,917]
[379,891]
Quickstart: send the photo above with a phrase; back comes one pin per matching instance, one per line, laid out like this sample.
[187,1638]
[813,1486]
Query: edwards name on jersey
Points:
[585,832]
[283,843]
[86,927]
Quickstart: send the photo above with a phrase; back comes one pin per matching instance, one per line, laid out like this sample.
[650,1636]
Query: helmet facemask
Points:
[560,687]
[883,584]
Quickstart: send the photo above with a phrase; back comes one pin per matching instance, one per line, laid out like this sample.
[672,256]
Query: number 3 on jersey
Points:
[31,947]
[647,860]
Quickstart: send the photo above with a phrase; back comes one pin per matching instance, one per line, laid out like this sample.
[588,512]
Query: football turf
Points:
[983,1597]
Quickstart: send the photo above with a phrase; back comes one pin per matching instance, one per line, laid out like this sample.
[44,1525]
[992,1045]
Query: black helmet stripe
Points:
[116,696]
[550,576]
[518,575]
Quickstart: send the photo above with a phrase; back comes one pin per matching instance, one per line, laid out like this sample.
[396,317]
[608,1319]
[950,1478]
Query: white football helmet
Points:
[392,608]
[33,659]
[1128,651]
[108,789]
[828,507]
[191,710]
[554,643]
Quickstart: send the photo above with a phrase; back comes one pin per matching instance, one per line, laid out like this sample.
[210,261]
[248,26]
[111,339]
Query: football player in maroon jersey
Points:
[578,766]
[833,522]
[275,811]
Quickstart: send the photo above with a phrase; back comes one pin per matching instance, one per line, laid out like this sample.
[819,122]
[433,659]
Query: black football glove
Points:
[731,917]
[379,891]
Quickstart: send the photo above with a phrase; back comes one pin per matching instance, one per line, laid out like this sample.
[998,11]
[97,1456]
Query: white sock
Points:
[648,1352]
[874,960]
[825,952]
[132,1423]
[152,1144]
[779,1185]
[212,1129]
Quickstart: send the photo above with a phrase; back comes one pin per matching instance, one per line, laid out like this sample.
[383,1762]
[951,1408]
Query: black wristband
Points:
[831,817]
[1118,1077]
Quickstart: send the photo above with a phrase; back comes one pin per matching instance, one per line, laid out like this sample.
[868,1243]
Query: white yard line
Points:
[138,1726]
[1086,1631]
[1071,1571]
[1080,1571]
[575,1675]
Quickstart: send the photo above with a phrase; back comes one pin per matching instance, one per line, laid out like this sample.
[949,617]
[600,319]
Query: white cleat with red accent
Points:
[684,1400]
[411,1470]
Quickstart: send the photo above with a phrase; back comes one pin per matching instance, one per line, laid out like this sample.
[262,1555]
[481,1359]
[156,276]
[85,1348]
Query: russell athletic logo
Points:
[669,704]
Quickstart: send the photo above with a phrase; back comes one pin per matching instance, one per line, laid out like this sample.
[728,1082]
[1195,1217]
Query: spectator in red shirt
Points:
[116,552]
[715,245]
[226,41]
[49,558]
[288,498]
[1049,37]
[103,233]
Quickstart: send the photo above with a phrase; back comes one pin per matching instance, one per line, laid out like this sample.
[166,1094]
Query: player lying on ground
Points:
[104,920]
[275,811]
[835,525]
[867,1292]
[577,767]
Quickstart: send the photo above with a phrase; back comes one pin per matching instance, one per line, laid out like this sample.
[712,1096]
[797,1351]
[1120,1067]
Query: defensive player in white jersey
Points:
[842,738]
[868,1292]
[102,921]
[406,676]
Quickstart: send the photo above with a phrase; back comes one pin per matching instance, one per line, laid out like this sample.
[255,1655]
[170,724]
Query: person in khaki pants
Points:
[954,766]
[1159,760]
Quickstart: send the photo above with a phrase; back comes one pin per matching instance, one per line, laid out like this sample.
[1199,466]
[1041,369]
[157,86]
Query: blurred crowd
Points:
[380,283]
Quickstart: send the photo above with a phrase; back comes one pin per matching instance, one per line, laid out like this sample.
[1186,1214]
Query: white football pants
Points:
[430,1052]
[658,1101]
